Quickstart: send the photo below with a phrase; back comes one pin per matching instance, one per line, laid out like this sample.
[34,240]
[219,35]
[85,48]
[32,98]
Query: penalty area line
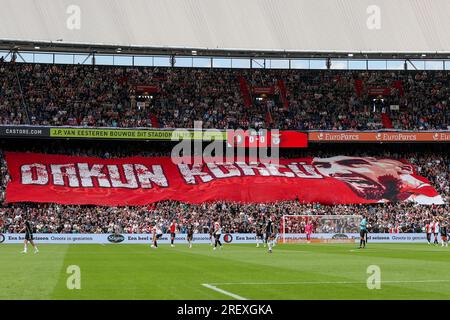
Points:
[230,294]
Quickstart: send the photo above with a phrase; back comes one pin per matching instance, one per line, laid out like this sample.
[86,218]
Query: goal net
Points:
[320,228]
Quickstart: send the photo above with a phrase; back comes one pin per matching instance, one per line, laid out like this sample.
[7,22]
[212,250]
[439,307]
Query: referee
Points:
[363,233]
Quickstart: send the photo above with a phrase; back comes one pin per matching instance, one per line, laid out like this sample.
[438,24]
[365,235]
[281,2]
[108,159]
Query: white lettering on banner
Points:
[146,177]
[116,178]
[135,176]
[232,238]
[307,172]
[62,171]
[189,174]
[274,170]
[35,173]
[218,172]
[250,168]
[86,175]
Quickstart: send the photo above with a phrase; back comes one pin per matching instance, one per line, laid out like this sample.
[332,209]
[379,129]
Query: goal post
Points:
[321,228]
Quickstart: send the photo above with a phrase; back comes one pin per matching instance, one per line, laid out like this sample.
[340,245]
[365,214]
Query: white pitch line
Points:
[212,287]
[324,282]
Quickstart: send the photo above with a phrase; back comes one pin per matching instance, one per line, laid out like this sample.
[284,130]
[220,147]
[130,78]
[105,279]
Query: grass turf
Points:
[292,271]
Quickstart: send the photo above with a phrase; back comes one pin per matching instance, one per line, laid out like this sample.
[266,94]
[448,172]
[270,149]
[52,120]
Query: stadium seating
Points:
[222,98]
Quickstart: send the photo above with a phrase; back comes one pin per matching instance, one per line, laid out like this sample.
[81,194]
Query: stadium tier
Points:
[77,95]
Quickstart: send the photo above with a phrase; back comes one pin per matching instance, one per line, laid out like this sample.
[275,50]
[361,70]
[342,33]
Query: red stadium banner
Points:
[147,89]
[264,90]
[283,94]
[398,84]
[384,91]
[359,87]
[141,181]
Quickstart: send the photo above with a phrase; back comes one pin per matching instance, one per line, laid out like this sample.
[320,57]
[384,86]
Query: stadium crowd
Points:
[78,95]
[234,217]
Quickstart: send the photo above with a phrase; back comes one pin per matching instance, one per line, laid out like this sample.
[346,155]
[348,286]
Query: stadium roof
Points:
[239,27]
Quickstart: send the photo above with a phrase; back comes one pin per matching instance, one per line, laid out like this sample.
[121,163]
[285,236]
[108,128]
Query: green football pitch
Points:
[292,271]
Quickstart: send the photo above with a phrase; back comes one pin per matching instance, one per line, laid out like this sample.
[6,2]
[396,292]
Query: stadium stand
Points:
[430,161]
[46,94]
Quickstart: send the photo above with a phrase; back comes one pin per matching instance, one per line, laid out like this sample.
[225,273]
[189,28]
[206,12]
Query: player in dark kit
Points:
[28,237]
[363,233]
[190,234]
[270,234]
[444,233]
[211,235]
[275,235]
[259,233]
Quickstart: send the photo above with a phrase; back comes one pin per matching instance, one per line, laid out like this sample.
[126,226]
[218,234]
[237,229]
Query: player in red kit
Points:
[173,229]
[308,231]
[444,233]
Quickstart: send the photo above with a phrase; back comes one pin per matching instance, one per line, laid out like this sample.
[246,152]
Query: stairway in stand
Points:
[387,121]
[245,91]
